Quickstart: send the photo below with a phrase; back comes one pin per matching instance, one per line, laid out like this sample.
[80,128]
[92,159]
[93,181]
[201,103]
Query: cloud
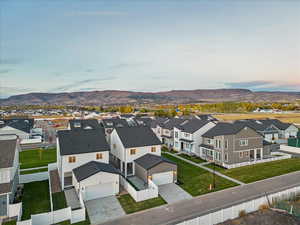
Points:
[76,85]
[10,61]
[97,13]
[8,91]
[261,85]
[5,71]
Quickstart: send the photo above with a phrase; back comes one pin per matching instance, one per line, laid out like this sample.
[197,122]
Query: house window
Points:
[132,151]
[226,143]
[176,134]
[246,154]
[186,134]
[208,141]
[153,149]
[176,144]
[241,154]
[226,157]
[99,156]
[114,146]
[244,142]
[72,159]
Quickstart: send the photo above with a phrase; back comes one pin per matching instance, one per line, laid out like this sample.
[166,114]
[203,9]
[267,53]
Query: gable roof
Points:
[81,141]
[91,168]
[24,125]
[191,126]
[84,124]
[225,129]
[7,150]
[148,161]
[262,125]
[114,122]
[137,136]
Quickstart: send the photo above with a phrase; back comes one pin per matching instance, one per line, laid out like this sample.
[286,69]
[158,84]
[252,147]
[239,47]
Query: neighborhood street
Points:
[188,209]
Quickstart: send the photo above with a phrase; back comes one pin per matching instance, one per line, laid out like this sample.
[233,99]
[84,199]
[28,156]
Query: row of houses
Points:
[204,136]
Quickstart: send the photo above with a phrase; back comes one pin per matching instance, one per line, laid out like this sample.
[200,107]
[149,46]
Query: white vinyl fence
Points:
[232,212]
[274,158]
[51,217]
[55,217]
[150,192]
[15,210]
[290,149]
[27,178]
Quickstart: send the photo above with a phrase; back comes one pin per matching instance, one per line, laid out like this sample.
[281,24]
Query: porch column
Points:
[125,169]
[261,153]
[7,204]
[255,154]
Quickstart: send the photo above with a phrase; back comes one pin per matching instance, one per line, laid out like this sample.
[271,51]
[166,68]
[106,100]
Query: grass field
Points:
[37,158]
[195,159]
[195,180]
[260,171]
[35,199]
[287,117]
[131,206]
[59,200]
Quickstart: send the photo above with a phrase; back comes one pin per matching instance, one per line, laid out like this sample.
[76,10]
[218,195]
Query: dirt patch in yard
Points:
[264,217]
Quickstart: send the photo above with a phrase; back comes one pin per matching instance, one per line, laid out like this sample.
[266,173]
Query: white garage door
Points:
[163,178]
[99,191]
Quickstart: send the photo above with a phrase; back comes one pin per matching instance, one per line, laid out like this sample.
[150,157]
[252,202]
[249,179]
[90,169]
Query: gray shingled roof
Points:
[82,141]
[84,124]
[191,126]
[224,129]
[24,125]
[91,168]
[7,153]
[138,136]
[148,161]
[114,122]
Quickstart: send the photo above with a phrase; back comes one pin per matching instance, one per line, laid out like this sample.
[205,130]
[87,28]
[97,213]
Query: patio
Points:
[138,182]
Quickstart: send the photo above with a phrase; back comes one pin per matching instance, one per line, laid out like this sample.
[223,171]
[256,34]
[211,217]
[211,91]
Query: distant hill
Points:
[114,97]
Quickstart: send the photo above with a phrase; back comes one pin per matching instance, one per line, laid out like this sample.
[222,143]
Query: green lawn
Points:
[33,171]
[131,206]
[260,171]
[12,222]
[195,159]
[59,201]
[37,158]
[195,180]
[36,198]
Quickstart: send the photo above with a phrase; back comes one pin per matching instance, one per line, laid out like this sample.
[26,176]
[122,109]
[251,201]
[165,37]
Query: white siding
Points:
[140,151]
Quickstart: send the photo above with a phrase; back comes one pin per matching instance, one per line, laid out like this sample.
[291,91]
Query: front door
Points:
[3,205]
[129,169]
[251,155]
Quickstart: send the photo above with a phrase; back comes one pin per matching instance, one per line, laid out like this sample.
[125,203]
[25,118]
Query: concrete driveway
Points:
[101,210]
[173,193]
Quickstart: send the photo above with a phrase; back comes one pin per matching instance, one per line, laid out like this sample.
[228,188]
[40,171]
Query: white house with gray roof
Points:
[78,147]
[9,171]
[188,135]
[136,152]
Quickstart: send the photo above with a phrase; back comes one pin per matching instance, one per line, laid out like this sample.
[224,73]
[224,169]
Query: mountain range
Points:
[115,97]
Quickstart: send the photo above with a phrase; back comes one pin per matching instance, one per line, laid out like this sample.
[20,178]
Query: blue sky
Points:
[72,45]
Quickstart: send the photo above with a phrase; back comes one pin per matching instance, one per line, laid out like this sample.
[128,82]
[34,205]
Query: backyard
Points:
[130,205]
[260,171]
[59,200]
[37,158]
[195,180]
[35,199]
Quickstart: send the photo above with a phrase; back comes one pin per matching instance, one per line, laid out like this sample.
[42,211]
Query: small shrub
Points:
[263,207]
[242,213]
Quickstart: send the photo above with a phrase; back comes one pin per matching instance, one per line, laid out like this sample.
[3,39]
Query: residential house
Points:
[20,127]
[188,135]
[273,130]
[78,147]
[231,143]
[9,171]
[83,124]
[136,151]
